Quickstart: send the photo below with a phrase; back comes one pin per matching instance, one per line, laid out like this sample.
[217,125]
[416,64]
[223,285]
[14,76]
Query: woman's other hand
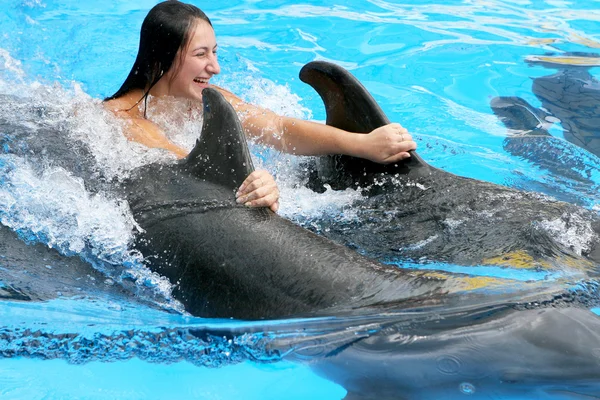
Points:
[259,190]
[387,144]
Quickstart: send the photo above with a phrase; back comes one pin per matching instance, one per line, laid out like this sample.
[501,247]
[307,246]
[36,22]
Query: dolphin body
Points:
[493,352]
[486,351]
[35,272]
[413,211]
[227,260]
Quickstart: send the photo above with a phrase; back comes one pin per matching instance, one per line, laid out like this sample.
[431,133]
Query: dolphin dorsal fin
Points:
[221,153]
[351,107]
[348,104]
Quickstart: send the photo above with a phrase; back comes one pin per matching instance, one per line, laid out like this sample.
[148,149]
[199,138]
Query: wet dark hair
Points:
[165,30]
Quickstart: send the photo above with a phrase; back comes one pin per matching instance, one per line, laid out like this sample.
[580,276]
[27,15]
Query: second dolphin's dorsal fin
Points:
[351,107]
[348,104]
[221,154]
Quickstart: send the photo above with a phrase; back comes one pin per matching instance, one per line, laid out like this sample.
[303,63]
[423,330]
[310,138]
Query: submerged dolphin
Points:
[35,272]
[486,352]
[413,211]
[571,97]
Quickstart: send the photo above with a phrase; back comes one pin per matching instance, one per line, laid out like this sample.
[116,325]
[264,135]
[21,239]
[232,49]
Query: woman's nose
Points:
[213,66]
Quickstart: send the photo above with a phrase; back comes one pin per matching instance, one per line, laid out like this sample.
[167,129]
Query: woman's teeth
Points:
[199,80]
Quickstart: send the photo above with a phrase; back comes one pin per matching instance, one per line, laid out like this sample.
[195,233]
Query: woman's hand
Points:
[387,144]
[259,190]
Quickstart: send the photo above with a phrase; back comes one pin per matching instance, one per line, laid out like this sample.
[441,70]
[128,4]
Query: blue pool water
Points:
[433,67]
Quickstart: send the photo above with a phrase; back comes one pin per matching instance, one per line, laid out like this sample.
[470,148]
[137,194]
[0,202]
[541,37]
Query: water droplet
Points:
[467,388]
[448,365]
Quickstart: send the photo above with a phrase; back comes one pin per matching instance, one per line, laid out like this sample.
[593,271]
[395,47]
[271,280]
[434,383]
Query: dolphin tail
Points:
[350,107]
[519,116]
[221,154]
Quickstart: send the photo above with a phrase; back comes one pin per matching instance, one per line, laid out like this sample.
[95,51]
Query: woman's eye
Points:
[200,55]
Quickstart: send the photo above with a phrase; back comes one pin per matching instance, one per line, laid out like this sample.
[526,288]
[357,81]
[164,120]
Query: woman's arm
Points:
[387,144]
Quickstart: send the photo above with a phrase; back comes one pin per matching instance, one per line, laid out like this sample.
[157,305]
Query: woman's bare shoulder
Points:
[139,129]
[118,108]
[124,107]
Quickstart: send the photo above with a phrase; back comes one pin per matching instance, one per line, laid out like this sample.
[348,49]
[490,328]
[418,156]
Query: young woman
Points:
[177,57]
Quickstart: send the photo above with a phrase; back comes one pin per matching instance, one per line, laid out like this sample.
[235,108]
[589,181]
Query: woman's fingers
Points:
[263,201]
[389,143]
[259,190]
[251,182]
[260,193]
[396,157]
[275,206]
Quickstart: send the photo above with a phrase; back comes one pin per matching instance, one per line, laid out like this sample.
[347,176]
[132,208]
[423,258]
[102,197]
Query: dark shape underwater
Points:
[570,97]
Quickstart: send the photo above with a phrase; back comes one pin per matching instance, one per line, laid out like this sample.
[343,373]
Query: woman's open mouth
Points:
[201,81]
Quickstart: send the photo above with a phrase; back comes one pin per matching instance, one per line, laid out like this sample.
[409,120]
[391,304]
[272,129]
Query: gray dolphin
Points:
[413,211]
[35,272]
[488,352]
[227,260]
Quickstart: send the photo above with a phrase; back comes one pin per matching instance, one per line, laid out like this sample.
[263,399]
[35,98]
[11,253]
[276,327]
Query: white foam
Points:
[453,223]
[572,231]
[420,244]
[11,73]
[301,203]
[180,120]
[56,209]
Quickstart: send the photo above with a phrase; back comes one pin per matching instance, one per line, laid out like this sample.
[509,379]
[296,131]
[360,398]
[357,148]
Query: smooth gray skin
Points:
[227,260]
[418,212]
[494,352]
[499,348]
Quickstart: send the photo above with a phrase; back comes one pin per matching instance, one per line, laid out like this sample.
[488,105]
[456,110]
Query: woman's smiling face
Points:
[194,65]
